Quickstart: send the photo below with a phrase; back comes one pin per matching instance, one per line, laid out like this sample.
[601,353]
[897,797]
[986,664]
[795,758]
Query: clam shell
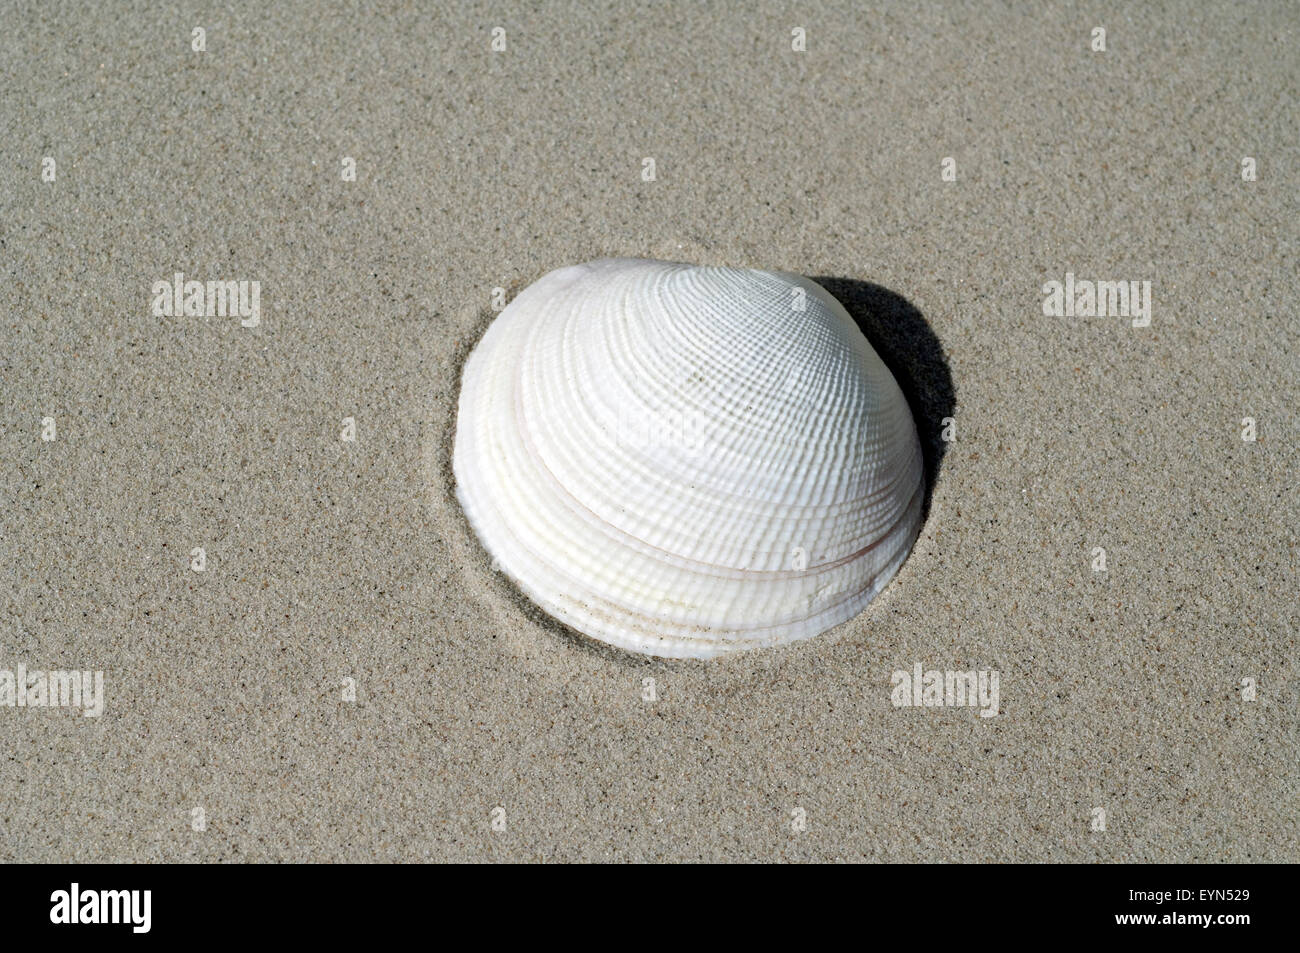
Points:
[685,461]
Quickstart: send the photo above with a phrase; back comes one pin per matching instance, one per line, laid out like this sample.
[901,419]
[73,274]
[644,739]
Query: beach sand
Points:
[226,735]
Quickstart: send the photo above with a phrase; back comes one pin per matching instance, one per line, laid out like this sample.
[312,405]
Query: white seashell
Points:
[686,461]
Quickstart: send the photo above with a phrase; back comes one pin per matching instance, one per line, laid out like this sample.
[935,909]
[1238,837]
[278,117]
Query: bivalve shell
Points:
[685,461]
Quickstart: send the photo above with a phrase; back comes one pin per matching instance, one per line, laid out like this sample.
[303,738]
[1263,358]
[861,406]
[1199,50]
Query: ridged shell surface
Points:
[684,461]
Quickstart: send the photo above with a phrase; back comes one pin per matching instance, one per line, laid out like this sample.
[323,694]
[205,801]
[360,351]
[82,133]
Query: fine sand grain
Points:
[1161,691]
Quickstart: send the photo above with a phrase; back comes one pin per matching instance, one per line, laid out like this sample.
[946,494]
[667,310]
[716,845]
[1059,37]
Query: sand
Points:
[226,735]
